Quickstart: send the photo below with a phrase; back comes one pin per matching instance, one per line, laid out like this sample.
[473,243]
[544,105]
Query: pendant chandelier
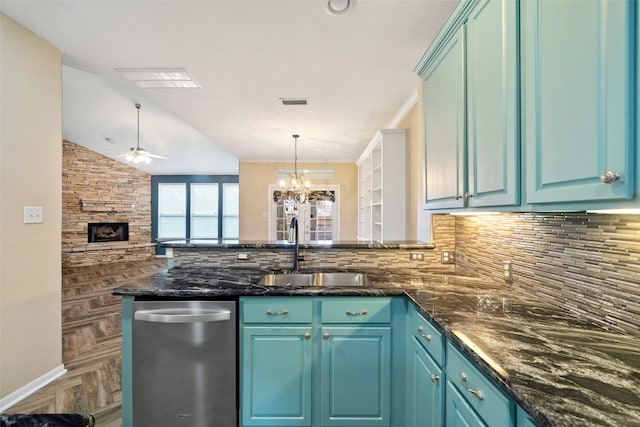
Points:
[295,188]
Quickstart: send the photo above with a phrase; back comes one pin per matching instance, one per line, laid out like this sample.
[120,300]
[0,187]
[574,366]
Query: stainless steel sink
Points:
[288,279]
[339,279]
[329,279]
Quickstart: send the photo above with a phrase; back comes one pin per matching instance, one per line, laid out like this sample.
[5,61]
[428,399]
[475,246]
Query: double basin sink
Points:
[326,279]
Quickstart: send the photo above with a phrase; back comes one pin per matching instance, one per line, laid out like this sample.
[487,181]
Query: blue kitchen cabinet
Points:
[523,419]
[471,398]
[444,125]
[309,361]
[276,376]
[578,73]
[355,381]
[471,99]
[459,411]
[493,133]
[426,392]
[425,376]
[276,361]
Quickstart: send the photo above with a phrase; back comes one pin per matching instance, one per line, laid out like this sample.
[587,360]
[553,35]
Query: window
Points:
[189,206]
[172,200]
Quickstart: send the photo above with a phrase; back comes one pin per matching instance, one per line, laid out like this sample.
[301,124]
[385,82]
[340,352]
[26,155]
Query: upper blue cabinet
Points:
[578,73]
[532,105]
[471,104]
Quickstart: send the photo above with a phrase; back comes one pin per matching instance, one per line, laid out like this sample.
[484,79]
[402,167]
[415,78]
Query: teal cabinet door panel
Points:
[444,112]
[523,419]
[276,376]
[493,104]
[577,99]
[426,389]
[356,376]
[459,413]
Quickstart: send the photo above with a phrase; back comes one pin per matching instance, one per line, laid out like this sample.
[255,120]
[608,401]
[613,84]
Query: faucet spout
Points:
[296,248]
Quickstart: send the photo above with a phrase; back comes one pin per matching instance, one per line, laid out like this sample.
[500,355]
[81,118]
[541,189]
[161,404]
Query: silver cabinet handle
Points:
[609,177]
[458,196]
[357,313]
[435,378]
[463,381]
[278,313]
[182,315]
[425,336]
[468,195]
[325,336]
[307,335]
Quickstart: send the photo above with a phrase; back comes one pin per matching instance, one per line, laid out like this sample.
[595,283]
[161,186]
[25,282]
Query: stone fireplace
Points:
[106,209]
[107,232]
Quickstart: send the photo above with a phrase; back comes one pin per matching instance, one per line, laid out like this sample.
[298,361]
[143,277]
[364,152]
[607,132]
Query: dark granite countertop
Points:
[46,420]
[562,370]
[280,244]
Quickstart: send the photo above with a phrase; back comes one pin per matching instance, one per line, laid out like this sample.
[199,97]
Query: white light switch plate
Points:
[33,215]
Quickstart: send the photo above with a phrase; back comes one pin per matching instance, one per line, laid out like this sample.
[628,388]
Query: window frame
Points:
[156,180]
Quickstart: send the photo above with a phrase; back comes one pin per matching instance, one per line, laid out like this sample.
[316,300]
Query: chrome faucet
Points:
[296,254]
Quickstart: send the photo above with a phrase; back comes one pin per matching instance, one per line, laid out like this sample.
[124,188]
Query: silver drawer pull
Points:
[435,378]
[425,336]
[463,381]
[357,313]
[278,313]
[326,336]
[307,335]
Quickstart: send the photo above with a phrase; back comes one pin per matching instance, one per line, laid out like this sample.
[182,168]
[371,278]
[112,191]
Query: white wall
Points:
[30,175]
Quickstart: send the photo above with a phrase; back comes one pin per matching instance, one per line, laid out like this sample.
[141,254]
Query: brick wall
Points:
[112,192]
[586,263]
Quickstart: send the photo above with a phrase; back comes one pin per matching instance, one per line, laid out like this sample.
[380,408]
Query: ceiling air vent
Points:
[293,101]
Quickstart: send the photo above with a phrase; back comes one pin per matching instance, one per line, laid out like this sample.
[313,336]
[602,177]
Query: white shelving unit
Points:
[382,188]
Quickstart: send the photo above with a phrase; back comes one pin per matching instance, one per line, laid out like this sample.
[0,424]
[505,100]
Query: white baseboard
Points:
[32,387]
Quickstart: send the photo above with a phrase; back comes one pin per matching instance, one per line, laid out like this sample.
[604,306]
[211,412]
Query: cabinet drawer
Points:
[276,310]
[495,408]
[427,335]
[356,310]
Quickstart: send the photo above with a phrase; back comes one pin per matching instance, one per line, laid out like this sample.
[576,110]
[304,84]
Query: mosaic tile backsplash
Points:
[587,263]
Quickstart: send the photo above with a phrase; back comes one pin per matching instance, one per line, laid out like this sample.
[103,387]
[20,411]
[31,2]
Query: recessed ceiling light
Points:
[339,7]
[158,78]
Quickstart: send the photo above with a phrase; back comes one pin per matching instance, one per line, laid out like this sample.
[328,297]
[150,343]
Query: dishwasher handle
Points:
[182,315]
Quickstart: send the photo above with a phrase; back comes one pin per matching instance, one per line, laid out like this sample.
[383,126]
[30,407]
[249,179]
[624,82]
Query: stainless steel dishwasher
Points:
[184,364]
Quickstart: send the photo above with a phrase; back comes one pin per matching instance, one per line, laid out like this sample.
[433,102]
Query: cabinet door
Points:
[577,99]
[355,386]
[426,390]
[459,413]
[276,376]
[492,104]
[444,112]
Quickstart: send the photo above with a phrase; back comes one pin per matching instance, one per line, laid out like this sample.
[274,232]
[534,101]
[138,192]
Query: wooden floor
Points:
[91,343]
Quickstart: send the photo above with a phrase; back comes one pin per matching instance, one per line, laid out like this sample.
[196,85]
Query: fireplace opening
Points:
[108,232]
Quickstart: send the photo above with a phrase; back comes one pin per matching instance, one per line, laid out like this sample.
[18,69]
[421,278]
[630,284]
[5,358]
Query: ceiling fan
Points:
[137,154]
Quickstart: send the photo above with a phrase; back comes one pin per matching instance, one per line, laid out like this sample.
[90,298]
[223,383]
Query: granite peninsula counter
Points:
[563,371]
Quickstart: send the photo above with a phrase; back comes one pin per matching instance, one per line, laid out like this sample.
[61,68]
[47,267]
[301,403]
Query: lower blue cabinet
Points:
[329,368]
[459,412]
[426,391]
[276,376]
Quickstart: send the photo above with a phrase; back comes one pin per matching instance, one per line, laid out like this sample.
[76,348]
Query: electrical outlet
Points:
[448,257]
[242,256]
[508,272]
[416,256]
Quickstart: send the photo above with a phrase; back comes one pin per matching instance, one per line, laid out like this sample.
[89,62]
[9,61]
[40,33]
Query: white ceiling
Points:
[356,70]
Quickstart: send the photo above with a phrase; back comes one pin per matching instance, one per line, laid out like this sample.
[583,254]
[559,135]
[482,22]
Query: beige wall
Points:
[418,220]
[30,168]
[255,179]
